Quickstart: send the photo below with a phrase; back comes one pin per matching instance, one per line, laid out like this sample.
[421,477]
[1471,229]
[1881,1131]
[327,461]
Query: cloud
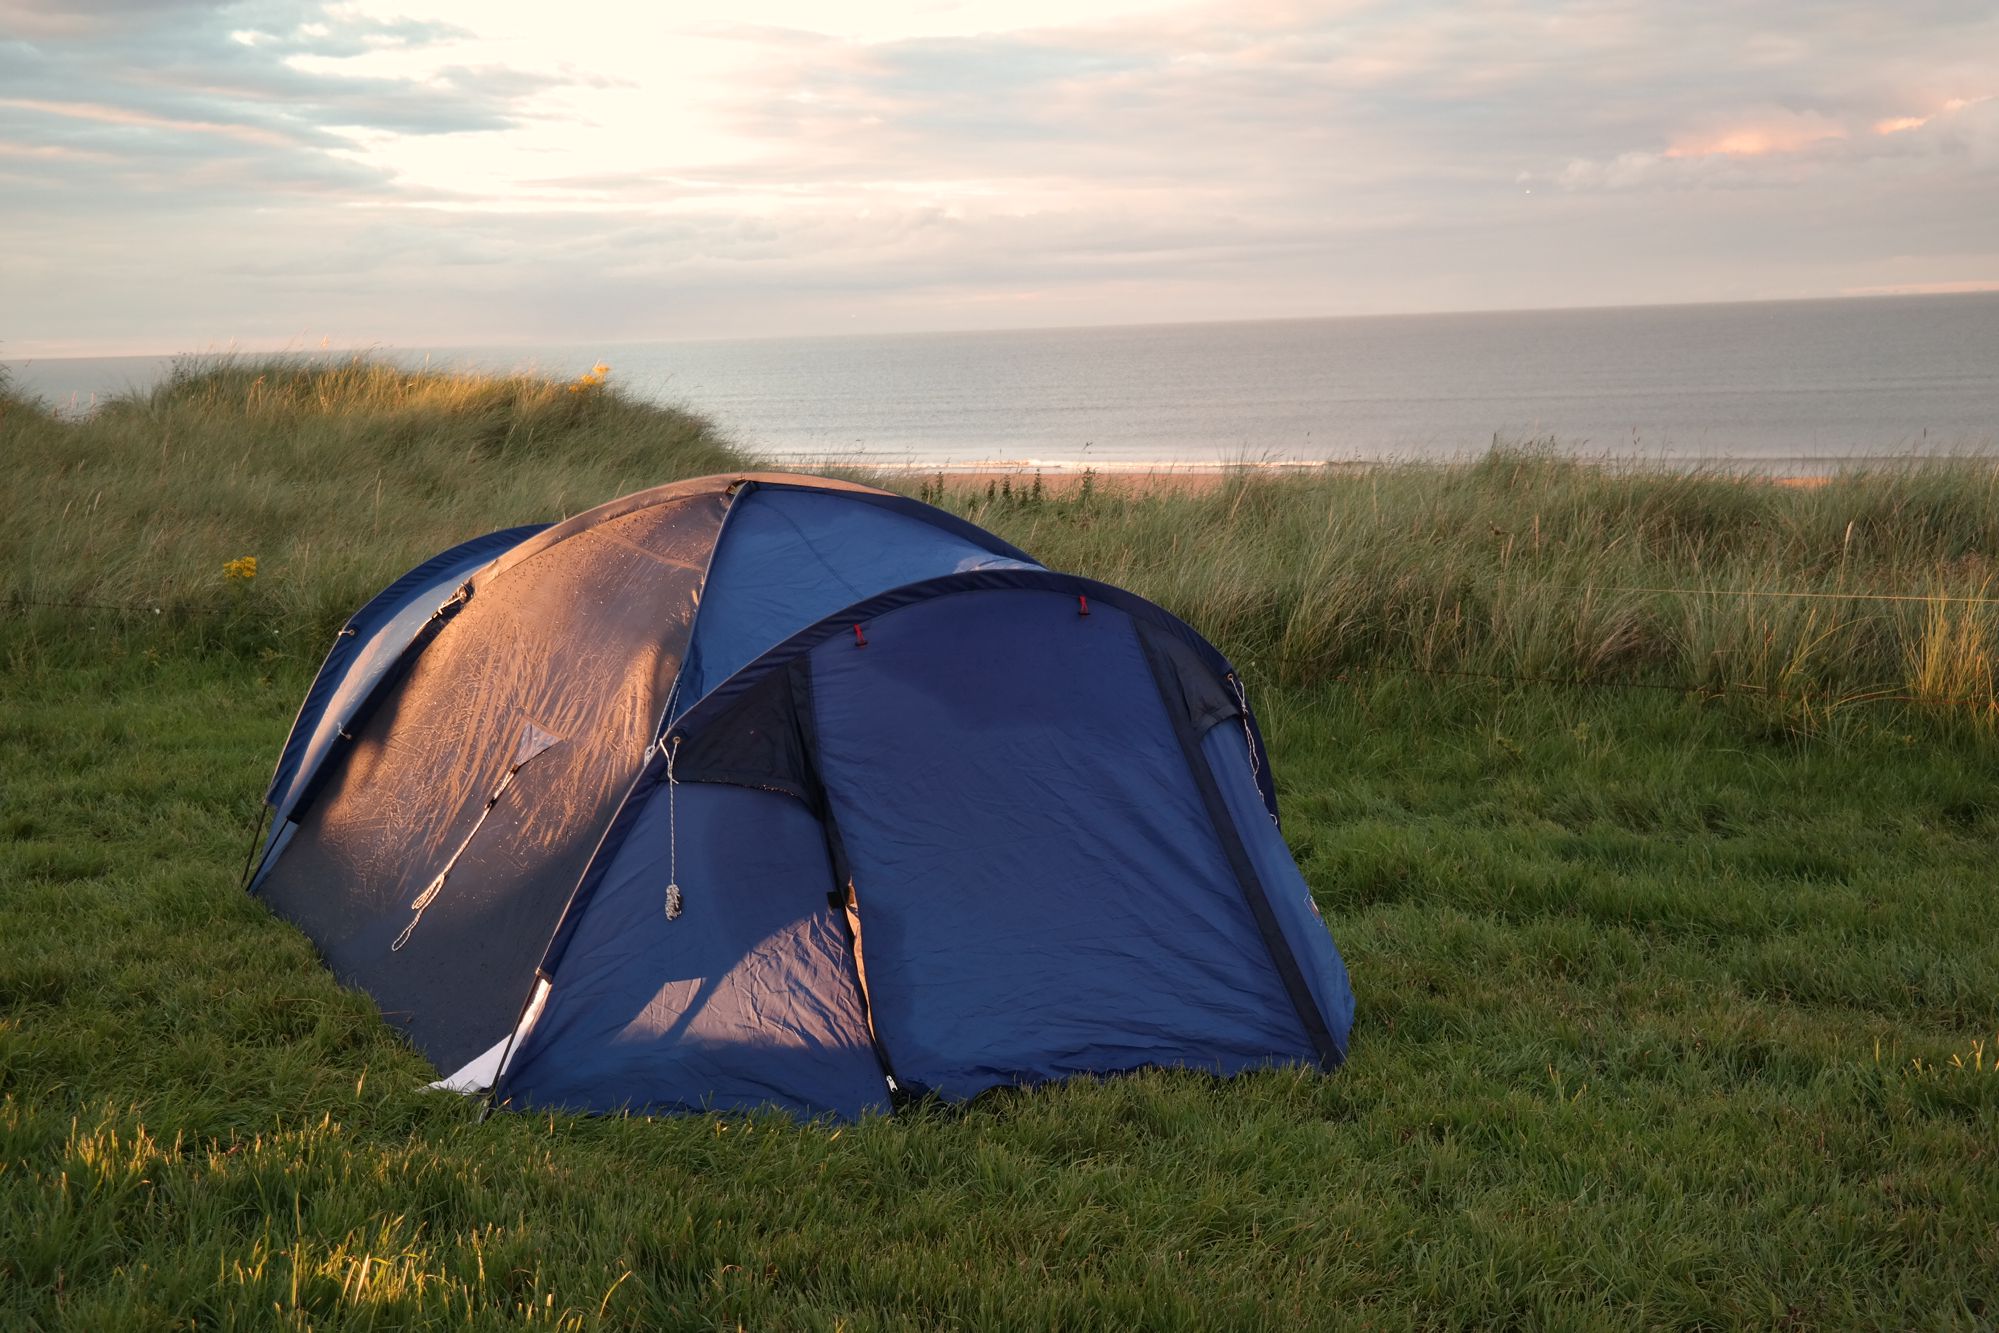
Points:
[112,115]
[1766,131]
[67,19]
[1951,106]
[1778,149]
[487,170]
[128,85]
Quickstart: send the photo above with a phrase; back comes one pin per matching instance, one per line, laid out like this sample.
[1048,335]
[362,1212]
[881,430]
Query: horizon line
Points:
[1918,291]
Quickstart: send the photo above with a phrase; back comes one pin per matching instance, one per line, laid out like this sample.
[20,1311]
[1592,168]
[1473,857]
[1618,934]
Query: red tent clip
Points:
[1082,605]
[860,639]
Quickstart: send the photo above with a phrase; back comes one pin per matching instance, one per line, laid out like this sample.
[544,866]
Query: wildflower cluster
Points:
[591,380]
[240,570]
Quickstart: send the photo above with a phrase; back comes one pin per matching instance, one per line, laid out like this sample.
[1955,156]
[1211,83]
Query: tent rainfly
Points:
[771,791]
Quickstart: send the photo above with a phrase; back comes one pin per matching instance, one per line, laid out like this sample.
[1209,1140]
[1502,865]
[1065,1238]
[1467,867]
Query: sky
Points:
[179,175]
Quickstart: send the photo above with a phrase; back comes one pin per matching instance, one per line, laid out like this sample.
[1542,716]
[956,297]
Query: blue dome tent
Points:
[765,790]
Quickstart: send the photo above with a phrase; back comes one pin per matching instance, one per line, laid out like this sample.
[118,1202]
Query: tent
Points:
[763,790]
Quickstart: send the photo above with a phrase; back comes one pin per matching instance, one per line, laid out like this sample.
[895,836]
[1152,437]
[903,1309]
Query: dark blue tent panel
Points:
[1041,890]
[792,556]
[745,999]
[802,795]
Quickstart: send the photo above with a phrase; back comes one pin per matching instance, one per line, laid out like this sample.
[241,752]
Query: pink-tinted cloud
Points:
[1903,124]
[1759,135]
[115,115]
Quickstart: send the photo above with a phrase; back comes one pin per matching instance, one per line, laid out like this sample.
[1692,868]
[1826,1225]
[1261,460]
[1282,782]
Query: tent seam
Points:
[732,496]
[1283,957]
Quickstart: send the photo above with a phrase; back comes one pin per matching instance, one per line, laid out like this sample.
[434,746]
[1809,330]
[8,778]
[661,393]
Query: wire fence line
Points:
[1710,689]
[14,603]
[1931,599]
[1928,598]
[1340,671]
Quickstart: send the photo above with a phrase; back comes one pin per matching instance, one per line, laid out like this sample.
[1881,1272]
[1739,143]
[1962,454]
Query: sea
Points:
[1791,387]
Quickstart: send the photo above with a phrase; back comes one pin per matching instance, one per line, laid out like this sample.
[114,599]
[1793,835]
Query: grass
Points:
[1675,1008]
[338,475]
[1527,563]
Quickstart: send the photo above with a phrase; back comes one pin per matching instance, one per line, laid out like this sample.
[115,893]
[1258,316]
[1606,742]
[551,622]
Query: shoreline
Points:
[1197,479]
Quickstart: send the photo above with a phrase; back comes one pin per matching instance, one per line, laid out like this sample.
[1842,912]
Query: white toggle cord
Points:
[672,835]
[533,741]
[1248,735]
[429,895]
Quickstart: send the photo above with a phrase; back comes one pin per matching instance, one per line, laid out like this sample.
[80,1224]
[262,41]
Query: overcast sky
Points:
[183,175]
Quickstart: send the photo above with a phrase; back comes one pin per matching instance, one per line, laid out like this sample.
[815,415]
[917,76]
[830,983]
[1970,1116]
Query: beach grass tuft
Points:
[1802,601]
[338,473]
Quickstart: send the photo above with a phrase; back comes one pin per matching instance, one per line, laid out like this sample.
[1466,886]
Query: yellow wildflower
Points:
[590,379]
[242,569]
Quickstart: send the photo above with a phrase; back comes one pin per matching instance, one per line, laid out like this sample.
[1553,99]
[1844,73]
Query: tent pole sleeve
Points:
[732,499]
[364,708]
[506,1055]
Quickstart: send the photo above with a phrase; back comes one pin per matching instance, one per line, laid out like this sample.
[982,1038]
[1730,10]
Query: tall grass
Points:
[1524,565]
[337,474]
[16,405]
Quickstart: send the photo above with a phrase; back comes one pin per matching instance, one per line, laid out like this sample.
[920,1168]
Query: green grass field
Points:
[1678,1006]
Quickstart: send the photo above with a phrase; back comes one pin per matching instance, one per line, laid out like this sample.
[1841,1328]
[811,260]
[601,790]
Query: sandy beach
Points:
[1179,480]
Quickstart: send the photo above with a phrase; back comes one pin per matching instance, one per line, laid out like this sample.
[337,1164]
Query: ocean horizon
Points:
[1792,386]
